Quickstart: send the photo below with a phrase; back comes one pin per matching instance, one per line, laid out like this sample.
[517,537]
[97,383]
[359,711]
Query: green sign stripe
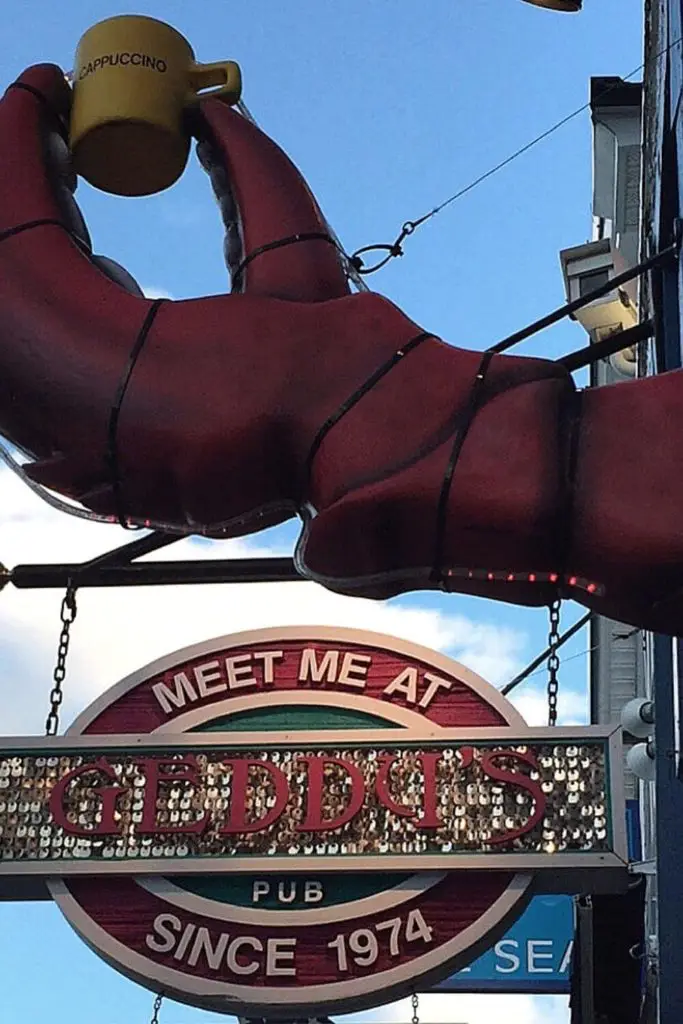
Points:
[337,889]
[238,890]
[288,717]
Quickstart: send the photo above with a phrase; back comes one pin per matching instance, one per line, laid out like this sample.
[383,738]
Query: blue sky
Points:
[388,107]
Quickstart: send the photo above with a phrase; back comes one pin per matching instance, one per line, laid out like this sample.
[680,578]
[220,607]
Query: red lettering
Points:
[107,794]
[387,761]
[429,817]
[314,821]
[237,818]
[429,762]
[174,771]
[516,778]
[466,756]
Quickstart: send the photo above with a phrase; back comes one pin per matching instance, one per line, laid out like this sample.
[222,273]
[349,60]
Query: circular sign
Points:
[273,943]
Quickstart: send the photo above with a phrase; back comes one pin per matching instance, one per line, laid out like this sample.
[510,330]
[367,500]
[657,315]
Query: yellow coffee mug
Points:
[133,80]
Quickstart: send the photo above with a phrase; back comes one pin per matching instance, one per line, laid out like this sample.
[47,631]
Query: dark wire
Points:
[530,669]
[395,249]
[572,657]
[522,150]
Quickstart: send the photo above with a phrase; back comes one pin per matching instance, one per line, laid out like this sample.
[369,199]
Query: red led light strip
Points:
[502,576]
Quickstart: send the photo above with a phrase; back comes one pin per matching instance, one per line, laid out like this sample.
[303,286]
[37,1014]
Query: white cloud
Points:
[120,630]
[572,707]
[471,1009]
[152,292]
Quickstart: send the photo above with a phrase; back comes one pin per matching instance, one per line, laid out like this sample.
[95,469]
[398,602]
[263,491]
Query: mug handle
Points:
[223,79]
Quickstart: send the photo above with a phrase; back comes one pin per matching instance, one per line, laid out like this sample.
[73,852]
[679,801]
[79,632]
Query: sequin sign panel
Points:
[304,821]
[358,800]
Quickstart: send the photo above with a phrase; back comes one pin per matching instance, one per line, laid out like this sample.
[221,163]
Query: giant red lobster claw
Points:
[413,464]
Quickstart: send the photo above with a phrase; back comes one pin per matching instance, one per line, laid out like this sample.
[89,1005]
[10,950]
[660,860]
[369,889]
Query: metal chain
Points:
[157,1006]
[553,661]
[67,615]
[415,1003]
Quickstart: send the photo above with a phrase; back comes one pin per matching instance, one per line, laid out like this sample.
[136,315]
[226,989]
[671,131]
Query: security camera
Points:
[641,760]
[588,268]
[638,717]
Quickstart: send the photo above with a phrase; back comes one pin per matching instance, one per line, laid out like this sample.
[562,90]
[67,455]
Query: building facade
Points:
[606,980]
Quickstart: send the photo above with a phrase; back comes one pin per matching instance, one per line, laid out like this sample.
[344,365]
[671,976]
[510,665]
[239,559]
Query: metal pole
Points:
[128,552]
[573,307]
[525,673]
[146,574]
[666,185]
[669,798]
[616,342]
[584,913]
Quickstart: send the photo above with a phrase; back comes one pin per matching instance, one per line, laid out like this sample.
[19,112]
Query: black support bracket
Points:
[118,568]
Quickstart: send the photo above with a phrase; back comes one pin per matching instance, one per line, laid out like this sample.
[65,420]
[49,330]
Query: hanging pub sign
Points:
[302,820]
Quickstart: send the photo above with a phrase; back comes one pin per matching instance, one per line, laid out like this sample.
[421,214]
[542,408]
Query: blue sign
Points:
[534,956]
[633,830]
